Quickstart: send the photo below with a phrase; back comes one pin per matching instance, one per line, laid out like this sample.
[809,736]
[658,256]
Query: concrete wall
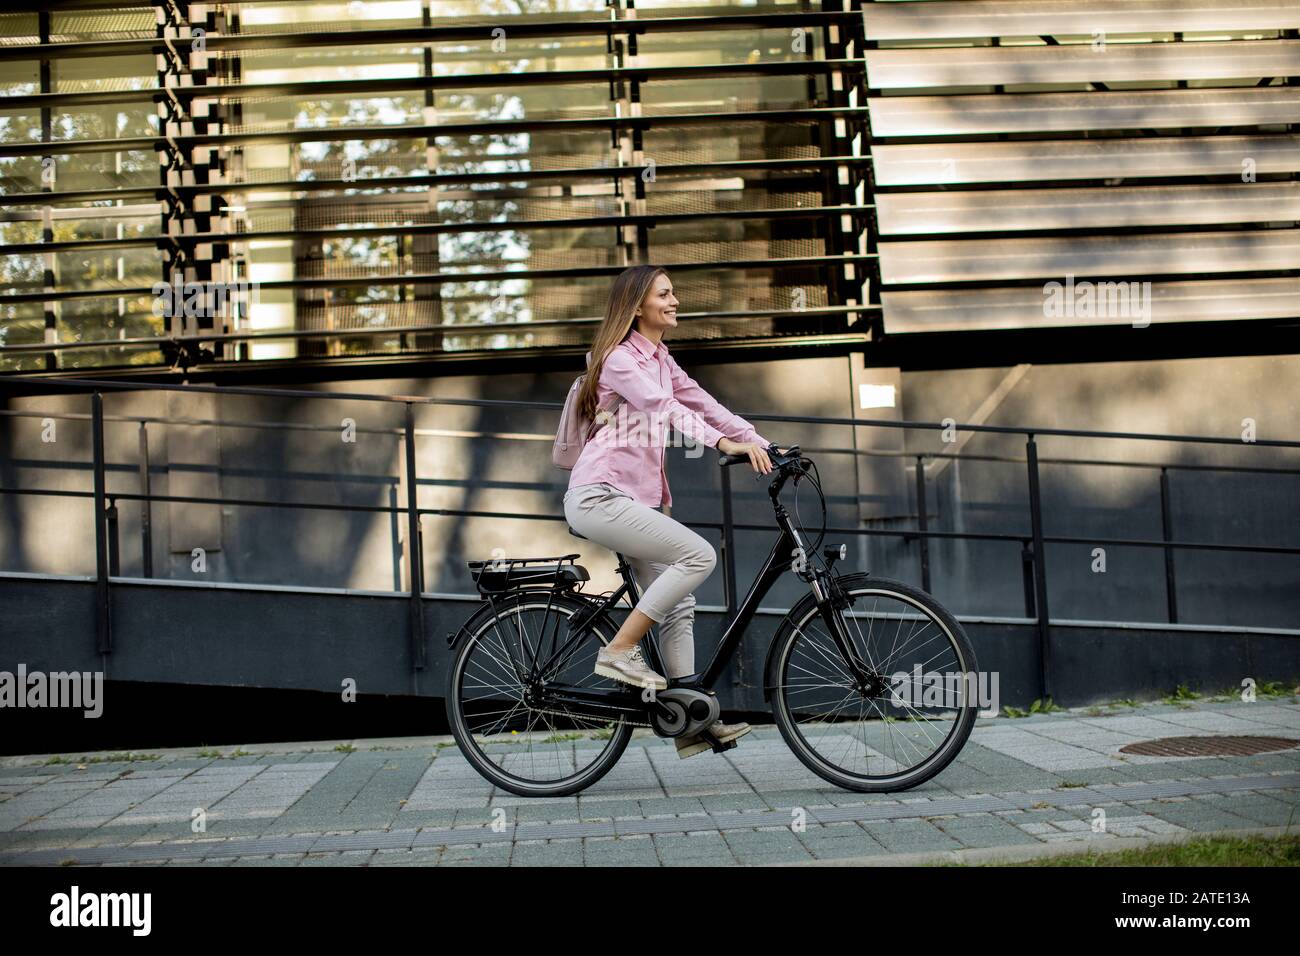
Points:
[312,641]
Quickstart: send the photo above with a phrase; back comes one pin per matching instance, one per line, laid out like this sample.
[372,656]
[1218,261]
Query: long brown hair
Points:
[629,291]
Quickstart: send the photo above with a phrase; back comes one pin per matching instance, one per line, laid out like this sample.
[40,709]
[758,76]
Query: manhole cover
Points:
[1209,746]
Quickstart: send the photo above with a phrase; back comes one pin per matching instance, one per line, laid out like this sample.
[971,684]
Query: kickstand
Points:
[717,745]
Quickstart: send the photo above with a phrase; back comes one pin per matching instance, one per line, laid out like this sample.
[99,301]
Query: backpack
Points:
[574,430]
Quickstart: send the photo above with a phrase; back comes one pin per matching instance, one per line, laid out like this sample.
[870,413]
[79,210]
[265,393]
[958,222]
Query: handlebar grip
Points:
[725,460]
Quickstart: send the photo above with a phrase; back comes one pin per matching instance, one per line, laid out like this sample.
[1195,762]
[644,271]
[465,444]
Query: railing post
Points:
[923,523]
[728,546]
[1167,534]
[103,618]
[1040,569]
[414,558]
[1027,572]
[114,555]
[146,507]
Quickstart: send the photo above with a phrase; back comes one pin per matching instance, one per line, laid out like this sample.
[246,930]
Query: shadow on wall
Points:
[1209,397]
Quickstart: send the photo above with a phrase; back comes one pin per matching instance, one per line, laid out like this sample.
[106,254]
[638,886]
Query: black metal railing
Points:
[1033,542]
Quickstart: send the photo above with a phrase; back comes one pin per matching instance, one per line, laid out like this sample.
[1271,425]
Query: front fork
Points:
[830,601]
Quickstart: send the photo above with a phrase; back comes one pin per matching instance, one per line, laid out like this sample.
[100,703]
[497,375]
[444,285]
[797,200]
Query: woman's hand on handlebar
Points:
[757,453]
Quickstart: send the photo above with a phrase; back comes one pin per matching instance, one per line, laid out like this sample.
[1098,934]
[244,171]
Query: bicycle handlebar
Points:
[785,465]
[773,452]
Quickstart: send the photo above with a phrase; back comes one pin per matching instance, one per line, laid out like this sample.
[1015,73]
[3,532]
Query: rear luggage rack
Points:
[502,574]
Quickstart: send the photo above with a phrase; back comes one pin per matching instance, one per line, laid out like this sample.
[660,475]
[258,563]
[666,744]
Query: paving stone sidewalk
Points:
[1035,781]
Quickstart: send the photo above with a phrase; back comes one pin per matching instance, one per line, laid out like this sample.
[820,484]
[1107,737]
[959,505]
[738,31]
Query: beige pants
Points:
[670,561]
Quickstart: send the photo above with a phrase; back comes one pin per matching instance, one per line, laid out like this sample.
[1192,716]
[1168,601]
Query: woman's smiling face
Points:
[659,308]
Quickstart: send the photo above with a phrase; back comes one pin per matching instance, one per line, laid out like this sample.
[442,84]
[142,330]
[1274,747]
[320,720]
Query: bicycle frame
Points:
[629,702]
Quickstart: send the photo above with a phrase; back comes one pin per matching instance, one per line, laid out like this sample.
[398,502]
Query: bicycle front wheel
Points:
[909,719]
[497,707]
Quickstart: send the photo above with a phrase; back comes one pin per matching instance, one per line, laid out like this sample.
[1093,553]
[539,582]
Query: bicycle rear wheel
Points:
[914,716]
[494,705]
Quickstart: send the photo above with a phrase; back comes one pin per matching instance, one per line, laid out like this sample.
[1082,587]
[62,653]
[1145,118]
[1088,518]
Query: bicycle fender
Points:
[454,637]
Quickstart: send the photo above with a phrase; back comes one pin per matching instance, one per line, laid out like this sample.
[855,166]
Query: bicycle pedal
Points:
[717,745]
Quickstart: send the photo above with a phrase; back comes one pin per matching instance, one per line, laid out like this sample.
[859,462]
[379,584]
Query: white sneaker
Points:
[629,667]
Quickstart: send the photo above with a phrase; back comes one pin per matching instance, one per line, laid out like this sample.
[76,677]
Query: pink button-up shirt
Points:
[628,452]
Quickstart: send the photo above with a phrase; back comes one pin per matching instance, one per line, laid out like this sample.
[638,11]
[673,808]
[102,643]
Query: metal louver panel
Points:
[1117,62]
[984,259]
[975,18]
[1001,210]
[1068,112]
[912,165]
[1023,308]
[386,180]
[1189,167]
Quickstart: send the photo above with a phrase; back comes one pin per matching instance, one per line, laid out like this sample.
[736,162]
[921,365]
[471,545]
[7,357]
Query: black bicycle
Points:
[872,682]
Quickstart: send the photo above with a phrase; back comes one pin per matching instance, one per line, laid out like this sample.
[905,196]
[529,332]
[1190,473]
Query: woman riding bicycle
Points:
[618,485]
